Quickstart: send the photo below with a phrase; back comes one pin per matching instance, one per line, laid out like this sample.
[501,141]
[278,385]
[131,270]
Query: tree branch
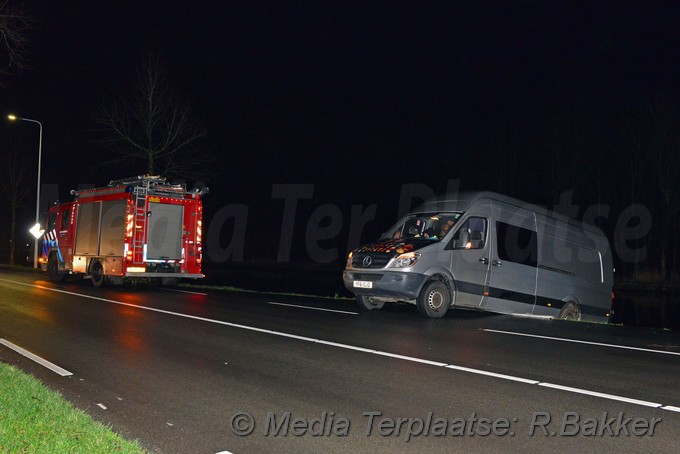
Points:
[15,28]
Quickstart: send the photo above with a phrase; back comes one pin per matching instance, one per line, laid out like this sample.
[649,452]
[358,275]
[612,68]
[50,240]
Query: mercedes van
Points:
[489,252]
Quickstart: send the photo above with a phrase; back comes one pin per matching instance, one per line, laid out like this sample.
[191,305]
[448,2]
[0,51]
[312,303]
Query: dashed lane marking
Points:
[312,308]
[42,361]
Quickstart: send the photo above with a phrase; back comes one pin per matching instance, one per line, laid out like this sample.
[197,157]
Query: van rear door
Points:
[514,261]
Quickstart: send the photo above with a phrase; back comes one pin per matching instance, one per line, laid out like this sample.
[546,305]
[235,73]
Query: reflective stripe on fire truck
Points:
[51,241]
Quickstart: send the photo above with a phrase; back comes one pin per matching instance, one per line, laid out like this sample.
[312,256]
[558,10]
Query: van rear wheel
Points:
[365,303]
[434,300]
[570,311]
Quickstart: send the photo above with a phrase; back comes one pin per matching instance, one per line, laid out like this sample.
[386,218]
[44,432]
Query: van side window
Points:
[470,235]
[64,219]
[516,244]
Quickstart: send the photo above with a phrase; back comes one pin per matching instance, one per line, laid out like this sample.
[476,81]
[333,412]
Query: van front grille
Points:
[371,260]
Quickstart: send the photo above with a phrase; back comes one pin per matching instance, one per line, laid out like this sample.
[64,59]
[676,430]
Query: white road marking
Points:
[599,344]
[313,308]
[671,408]
[370,351]
[538,317]
[602,395]
[345,346]
[43,362]
[183,291]
[102,406]
[409,358]
[493,374]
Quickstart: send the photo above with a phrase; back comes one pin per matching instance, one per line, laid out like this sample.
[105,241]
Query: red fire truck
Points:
[135,229]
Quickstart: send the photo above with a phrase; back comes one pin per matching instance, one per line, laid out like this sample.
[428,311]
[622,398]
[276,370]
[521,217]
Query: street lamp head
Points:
[13,117]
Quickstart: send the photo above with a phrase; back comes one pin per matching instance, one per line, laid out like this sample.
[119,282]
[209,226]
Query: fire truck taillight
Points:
[199,238]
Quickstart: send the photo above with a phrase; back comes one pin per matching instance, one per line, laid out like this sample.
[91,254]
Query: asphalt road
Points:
[177,370]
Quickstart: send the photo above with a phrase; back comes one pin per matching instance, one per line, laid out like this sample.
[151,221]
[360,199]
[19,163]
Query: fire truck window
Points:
[51,221]
[64,219]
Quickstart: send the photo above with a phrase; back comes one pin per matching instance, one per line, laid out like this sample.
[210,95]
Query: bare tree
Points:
[570,144]
[505,143]
[152,125]
[664,148]
[15,27]
[12,185]
[634,131]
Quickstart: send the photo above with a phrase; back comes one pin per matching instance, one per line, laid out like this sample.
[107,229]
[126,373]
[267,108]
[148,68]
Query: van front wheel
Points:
[434,300]
[366,304]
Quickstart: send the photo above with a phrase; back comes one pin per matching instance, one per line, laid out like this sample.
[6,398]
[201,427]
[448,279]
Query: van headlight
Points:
[349,260]
[405,260]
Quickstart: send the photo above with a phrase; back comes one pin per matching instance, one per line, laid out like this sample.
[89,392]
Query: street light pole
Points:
[37,197]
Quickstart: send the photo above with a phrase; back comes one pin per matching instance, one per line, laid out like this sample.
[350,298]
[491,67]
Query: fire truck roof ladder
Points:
[153,184]
[140,180]
[140,224]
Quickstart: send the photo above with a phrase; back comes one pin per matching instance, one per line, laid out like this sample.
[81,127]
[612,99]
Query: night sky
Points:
[357,98]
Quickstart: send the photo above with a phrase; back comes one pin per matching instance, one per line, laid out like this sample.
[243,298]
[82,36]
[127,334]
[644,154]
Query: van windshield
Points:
[432,226]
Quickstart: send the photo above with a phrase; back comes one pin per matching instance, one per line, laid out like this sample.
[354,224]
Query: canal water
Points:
[652,309]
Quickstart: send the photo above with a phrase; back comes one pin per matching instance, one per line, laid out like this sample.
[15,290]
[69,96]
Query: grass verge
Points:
[35,419]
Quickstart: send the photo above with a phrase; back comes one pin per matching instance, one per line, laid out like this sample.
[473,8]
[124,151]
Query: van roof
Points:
[462,201]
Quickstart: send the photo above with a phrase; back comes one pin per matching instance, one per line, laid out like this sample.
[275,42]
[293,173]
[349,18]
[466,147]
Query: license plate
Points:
[363,284]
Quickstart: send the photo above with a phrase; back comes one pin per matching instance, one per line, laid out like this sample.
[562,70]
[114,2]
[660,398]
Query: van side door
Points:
[470,260]
[514,261]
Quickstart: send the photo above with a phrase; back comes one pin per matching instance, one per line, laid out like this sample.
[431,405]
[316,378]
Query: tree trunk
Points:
[665,242]
[149,169]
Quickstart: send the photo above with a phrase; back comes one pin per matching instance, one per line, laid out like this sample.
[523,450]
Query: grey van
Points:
[489,252]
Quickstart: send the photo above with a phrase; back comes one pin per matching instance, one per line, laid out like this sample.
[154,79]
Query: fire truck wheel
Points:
[97,273]
[53,269]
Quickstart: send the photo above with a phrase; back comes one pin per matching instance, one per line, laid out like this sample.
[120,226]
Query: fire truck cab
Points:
[135,229]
